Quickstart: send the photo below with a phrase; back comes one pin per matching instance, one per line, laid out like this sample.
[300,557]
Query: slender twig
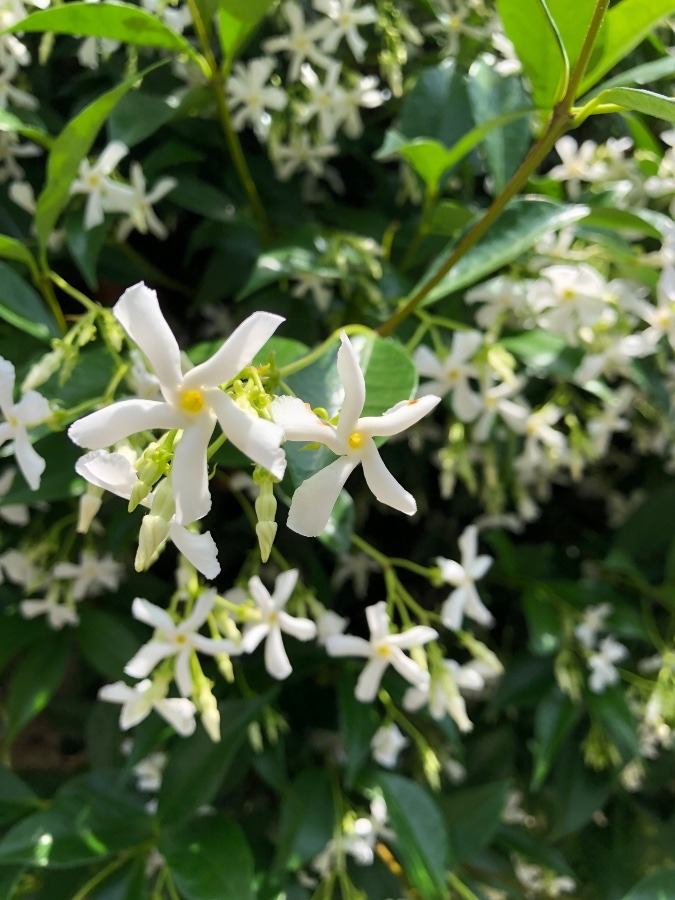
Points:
[560,122]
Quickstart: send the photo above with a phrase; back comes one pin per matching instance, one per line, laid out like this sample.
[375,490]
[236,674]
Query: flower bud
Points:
[90,503]
[153,533]
[266,509]
[208,708]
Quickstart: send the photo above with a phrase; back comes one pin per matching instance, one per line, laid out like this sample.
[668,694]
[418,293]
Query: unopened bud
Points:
[138,494]
[90,503]
[163,503]
[42,370]
[209,712]
[266,510]
[152,535]
[266,532]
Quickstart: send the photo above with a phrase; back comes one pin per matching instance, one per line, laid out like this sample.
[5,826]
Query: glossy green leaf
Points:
[21,305]
[138,115]
[578,791]
[658,885]
[449,217]
[116,22]
[493,98]
[553,719]
[519,227]
[437,107]
[543,622]
[237,19]
[202,198]
[611,708]
[11,248]
[422,840]
[572,21]
[16,798]
[107,640]
[358,724]
[9,121]
[209,859]
[74,142]
[646,74]
[85,246]
[646,102]
[198,765]
[537,348]
[37,676]
[534,34]
[625,26]
[472,817]
[91,818]
[284,262]
[305,827]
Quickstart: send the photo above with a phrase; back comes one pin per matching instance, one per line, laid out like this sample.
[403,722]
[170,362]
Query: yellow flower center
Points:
[383,650]
[192,401]
[569,294]
[181,639]
[355,440]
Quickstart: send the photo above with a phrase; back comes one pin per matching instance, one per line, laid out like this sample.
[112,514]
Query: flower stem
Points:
[561,120]
[298,364]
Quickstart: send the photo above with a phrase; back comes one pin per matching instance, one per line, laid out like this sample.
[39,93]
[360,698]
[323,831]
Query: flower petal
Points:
[189,470]
[261,595]
[383,484]
[451,571]
[111,424]
[300,629]
[314,500]
[369,679]
[236,353]
[144,661]
[30,462]
[32,409]
[427,363]
[110,471]
[253,635]
[347,645]
[199,549]
[399,417]
[113,154]
[354,385]
[299,423]
[452,610]
[413,637]
[198,616]
[276,659]
[179,712]
[7,377]
[378,620]
[475,609]
[283,587]
[409,669]
[139,314]
[152,615]
[181,673]
[258,439]
[214,646]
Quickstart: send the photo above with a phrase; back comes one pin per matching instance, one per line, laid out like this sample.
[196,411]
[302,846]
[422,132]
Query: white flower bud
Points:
[153,533]
[42,371]
[90,503]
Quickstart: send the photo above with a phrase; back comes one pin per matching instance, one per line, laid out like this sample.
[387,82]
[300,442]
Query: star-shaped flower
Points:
[139,701]
[464,600]
[193,402]
[352,441]
[31,410]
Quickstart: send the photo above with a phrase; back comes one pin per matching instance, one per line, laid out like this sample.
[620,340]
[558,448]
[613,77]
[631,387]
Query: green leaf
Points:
[448,217]
[22,306]
[644,221]
[37,676]
[647,74]
[611,707]
[537,348]
[11,248]
[284,262]
[237,19]
[107,640]
[437,107]
[198,765]
[116,22]
[209,859]
[422,839]
[529,26]
[646,102]
[543,622]
[493,98]
[92,817]
[554,718]
[520,226]
[658,885]
[337,535]
[358,724]
[202,198]
[305,827]
[76,139]
[138,115]
[578,791]
[85,245]
[625,26]
[472,817]
[11,122]
[16,798]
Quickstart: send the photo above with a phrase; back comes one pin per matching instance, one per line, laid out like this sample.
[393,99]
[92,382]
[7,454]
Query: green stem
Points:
[423,226]
[304,361]
[231,136]
[104,873]
[561,120]
[81,298]
[50,298]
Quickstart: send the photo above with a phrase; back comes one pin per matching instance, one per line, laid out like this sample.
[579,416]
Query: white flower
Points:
[329,623]
[192,402]
[250,94]
[352,441]
[90,575]
[180,640]
[661,318]
[357,567]
[464,600]
[568,298]
[139,701]
[300,42]
[300,153]
[346,20]
[31,410]
[386,744]
[12,513]
[12,149]
[19,568]
[592,622]
[93,180]
[501,297]
[382,650]
[136,201]
[443,693]
[273,621]
[56,612]
[10,93]
[114,472]
[452,374]
[149,771]
[601,664]
[579,163]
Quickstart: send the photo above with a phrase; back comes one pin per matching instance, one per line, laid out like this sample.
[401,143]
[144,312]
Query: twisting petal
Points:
[202,608]
[475,609]
[30,462]
[468,544]
[409,669]
[399,417]
[143,662]
[113,154]
[152,615]
[383,484]
[378,620]
[258,439]
[199,549]
[253,635]
[236,353]
[32,409]
[181,672]
[427,363]
[261,595]
[347,645]
[299,423]
[213,646]
[107,426]
[451,571]
[412,637]
[283,587]
[300,629]
[354,384]
[189,471]
[479,566]
[110,471]
[369,680]
[276,660]
[139,314]
[7,376]
[314,500]
[452,610]
[179,712]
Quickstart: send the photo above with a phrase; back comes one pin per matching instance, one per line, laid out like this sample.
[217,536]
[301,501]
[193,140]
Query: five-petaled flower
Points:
[464,600]
[31,410]
[193,402]
[352,441]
